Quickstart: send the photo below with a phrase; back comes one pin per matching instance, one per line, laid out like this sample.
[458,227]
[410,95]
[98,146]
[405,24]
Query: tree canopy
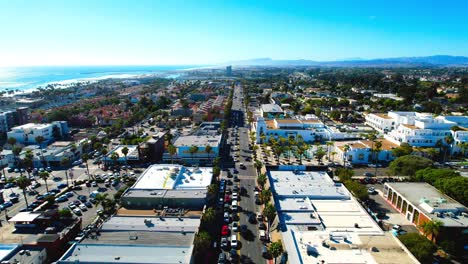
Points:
[408,165]
[419,245]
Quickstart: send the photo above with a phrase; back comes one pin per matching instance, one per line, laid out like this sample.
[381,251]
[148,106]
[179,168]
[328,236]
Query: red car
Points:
[225,230]
[227,199]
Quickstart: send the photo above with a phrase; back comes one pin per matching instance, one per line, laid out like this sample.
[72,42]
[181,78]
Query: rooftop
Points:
[384,116]
[30,126]
[151,224]
[271,108]
[198,140]
[430,201]
[6,250]
[312,184]
[160,177]
[95,253]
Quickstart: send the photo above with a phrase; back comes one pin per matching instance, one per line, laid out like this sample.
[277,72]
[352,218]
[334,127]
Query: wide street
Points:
[251,246]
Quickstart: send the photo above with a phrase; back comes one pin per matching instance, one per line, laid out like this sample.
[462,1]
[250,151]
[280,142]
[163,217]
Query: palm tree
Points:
[372,137]
[65,162]
[104,152]
[261,180]
[23,183]
[208,150]
[114,157]
[40,140]
[258,165]
[329,145]
[16,152]
[85,159]
[432,228]
[449,141]
[125,152]
[192,150]
[28,161]
[44,175]
[377,149]
[346,148]
[333,153]
[172,151]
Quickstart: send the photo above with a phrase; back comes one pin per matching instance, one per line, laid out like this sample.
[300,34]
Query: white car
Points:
[83,207]
[235,227]
[234,241]
[77,211]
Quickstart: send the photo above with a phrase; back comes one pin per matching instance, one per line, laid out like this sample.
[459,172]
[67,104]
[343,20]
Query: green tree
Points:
[265,196]
[275,249]
[432,228]
[39,141]
[212,189]
[335,114]
[172,151]
[420,246]
[402,150]
[44,175]
[344,174]
[261,180]
[358,190]
[202,241]
[346,148]
[65,213]
[16,152]
[114,157]
[208,151]
[209,216]
[125,152]
[65,163]
[258,165]
[377,149]
[23,183]
[85,159]
[269,212]
[193,150]
[408,165]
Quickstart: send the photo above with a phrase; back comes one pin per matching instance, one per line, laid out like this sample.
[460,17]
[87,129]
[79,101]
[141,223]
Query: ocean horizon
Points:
[32,77]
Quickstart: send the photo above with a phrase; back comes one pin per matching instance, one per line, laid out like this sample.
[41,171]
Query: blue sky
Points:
[206,32]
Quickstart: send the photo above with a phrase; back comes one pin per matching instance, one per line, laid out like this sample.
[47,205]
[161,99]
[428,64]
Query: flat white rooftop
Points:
[312,184]
[152,224]
[95,253]
[161,176]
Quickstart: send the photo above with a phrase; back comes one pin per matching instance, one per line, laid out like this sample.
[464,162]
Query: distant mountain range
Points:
[434,61]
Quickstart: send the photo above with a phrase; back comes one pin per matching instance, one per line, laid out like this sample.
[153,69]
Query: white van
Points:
[234,241]
[234,205]
[262,235]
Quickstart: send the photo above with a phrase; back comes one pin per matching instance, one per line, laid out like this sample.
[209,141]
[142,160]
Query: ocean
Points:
[30,78]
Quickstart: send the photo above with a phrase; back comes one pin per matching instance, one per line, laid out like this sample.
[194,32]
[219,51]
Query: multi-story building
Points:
[310,130]
[420,202]
[360,152]
[11,118]
[27,133]
[421,129]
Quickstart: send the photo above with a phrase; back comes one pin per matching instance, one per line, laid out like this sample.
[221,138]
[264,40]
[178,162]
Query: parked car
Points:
[77,211]
[225,230]
[62,186]
[234,241]
[81,198]
[83,207]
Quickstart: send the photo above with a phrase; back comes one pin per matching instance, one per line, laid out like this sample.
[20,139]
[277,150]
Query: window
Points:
[361,156]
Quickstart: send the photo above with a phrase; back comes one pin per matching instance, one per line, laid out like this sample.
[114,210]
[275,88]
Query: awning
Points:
[24,217]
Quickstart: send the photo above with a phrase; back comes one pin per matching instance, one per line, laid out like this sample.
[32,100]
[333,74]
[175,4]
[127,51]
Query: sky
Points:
[143,32]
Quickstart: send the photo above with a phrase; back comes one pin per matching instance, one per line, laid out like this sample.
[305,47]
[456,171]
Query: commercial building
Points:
[229,70]
[421,129]
[52,155]
[309,127]
[137,239]
[27,133]
[173,186]
[420,202]
[132,155]
[271,111]
[207,134]
[321,222]
[11,118]
[361,151]
[12,253]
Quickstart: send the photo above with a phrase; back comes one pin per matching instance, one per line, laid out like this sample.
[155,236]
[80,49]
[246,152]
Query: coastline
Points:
[164,72]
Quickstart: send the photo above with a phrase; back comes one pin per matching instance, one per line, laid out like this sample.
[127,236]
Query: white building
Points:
[321,222]
[420,129]
[360,152]
[175,186]
[271,110]
[132,154]
[184,143]
[27,133]
[309,127]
